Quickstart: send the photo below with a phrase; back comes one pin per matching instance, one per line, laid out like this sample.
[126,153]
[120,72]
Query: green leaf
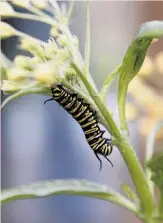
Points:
[133,61]
[156,167]
[150,146]
[69,187]
[130,194]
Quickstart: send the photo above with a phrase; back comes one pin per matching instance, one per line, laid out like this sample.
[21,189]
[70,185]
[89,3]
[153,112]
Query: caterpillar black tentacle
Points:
[86,117]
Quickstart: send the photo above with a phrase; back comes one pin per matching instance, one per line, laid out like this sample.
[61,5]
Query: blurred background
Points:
[44,142]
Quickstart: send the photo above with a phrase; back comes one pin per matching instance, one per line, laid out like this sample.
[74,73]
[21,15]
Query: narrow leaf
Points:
[69,187]
[133,61]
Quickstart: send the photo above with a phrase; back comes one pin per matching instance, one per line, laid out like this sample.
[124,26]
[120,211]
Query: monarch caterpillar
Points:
[87,119]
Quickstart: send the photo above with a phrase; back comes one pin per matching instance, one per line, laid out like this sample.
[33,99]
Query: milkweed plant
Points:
[59,61]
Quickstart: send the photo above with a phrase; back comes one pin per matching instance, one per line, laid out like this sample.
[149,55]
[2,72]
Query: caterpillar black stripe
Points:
[87,119]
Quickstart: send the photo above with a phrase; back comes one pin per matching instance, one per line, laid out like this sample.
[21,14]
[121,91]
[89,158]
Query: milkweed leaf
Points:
[133,61]
[66,187]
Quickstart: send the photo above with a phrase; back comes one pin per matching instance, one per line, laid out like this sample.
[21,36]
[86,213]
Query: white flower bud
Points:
[32,46]
[6,30]
[6,9]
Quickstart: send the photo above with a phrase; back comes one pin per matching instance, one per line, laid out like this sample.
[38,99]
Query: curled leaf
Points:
[133,61]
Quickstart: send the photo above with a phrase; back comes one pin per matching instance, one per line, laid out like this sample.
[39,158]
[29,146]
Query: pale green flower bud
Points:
[6,30]
[6,9]
[40,4]
[54,31]
[50,49]
[23,62]
[17,74]
[21,3]
[62,40]
[32,46]
[45,73]
[70,74]
[9,86]
[35,60]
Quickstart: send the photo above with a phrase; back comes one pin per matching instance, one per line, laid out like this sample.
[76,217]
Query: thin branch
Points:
[71,6]
[29,16]
[160,206]
[56,7]
[25,35]
[38,12]
[108,82]
[32,89]
[88,41]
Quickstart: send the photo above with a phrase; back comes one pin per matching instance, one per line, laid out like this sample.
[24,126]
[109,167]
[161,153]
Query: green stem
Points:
[87,42]
[55,7]
[108,81]
[24,35]
[160,207]
[70,10]
[102,108]
[137,175]
[125,149]
[150,150]
[38,12]
[29,16]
